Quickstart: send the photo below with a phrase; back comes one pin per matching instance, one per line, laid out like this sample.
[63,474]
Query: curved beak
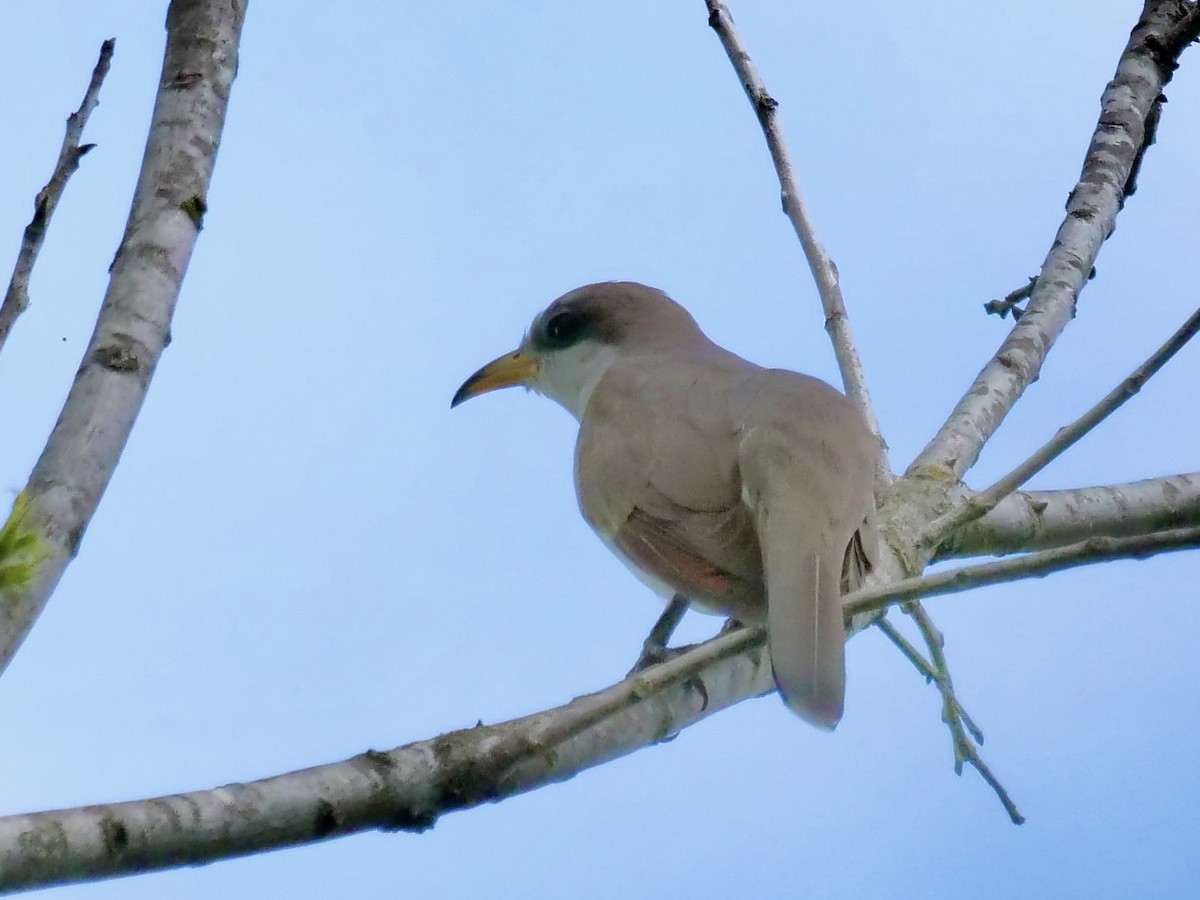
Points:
[508,370]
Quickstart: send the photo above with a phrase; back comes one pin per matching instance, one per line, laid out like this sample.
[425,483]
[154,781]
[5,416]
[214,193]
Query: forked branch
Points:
[1129,108]
[16,298]
[964,733]
[985,501]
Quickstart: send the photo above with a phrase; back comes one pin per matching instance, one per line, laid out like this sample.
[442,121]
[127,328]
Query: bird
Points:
[726,486]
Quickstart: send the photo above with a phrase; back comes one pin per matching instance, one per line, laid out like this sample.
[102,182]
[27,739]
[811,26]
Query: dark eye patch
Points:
[563,329]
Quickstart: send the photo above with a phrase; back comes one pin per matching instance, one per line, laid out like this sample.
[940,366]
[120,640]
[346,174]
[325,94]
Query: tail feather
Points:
[857,564]
[806,636]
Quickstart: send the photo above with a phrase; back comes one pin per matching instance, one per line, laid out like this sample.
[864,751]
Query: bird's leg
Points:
[654,648]
[731,624]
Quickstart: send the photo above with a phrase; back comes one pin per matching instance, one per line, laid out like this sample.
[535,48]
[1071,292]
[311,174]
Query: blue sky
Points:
[304,553]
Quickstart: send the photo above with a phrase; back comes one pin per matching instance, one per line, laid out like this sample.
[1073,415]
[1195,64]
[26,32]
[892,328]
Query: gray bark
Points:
[134,324]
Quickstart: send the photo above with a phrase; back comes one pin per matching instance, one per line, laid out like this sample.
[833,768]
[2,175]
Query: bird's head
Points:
[574,341]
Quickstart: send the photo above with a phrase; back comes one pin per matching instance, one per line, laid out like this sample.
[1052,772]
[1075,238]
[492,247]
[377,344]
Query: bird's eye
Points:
[563,329]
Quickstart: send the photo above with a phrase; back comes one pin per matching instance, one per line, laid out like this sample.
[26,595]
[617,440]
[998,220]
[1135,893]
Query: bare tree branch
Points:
[824,272]
[16,298]
[966,748]
[1031,565]
[922,665]
[135,318]
[403,789]
[408,788]
[980,503]
[1119,139]
[1008,303]
[1042,520]
[954,717]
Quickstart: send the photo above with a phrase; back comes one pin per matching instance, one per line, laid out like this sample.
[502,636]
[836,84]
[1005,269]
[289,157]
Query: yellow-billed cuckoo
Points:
[747,491]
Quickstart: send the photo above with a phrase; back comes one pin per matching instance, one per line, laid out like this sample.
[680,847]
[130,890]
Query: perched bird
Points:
[748,491]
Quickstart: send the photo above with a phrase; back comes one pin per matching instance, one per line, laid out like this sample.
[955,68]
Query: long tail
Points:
[806,636]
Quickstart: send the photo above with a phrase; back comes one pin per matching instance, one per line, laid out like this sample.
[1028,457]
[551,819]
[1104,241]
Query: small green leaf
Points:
[22,550]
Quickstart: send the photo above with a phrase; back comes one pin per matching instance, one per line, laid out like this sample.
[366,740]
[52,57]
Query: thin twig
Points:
[913,655]
[964,750]
[824,272]
[936,642]
[986,500]
[16,298]
[993,782]
[1117,142]
[1031,565]
[1009,303]
[954,717]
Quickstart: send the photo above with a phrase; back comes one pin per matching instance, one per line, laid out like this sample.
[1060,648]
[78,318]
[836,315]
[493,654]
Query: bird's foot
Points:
[653,653]
[654,648]
[731,624]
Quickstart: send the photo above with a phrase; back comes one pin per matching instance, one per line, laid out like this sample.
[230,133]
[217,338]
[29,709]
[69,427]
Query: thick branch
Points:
[824,272]
[16,298]
[408,788]
[1092,209]
[1041,520]
[404,789]
[135,318]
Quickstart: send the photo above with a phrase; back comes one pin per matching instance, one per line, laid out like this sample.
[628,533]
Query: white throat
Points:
[569,376]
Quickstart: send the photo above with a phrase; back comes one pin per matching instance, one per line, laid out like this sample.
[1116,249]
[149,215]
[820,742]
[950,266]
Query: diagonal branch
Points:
[1031,565]
[1130,99]
[135,318]
[981,503]
[922,665]
[408,788]
[824,272]
[936,642]
[16,298]
[956,720]
[1042,520]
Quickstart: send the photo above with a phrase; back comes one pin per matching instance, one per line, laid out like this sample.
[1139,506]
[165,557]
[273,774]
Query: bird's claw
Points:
[653,654]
